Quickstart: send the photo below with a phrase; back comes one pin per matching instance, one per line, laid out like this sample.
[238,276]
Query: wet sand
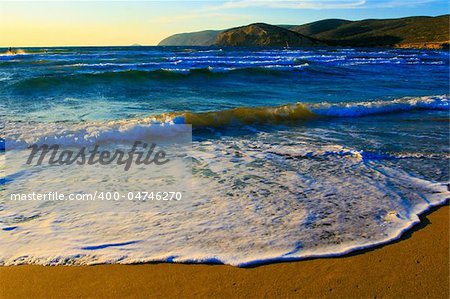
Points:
[417,266]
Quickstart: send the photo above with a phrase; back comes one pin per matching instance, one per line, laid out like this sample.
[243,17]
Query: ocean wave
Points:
[304,111]
[157,74]
[242,115]
[441,102]
[109,64]
[21,135]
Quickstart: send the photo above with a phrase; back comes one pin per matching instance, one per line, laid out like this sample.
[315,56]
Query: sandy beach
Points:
[417,266]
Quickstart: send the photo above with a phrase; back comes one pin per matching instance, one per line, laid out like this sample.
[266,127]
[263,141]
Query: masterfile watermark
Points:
[141,153]
[99,196]
[114,172]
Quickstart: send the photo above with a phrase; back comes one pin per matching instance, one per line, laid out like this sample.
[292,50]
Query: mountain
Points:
[382,33]
[410,32]
[318,27]
[261,34]
[201,38]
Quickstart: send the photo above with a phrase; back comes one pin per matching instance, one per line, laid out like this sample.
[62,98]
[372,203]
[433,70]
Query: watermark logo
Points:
[141,153]
[113,172]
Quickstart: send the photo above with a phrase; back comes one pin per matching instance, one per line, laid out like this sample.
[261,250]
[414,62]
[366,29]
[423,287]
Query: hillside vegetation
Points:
[201,38]
[370,33]
[410,32]
[261,34]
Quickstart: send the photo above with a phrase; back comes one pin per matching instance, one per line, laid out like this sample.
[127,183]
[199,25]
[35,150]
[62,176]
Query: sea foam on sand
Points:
[283,195]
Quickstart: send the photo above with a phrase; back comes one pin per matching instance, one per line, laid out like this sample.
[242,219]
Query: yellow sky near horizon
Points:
[28,24]
[49,34]
[34,25]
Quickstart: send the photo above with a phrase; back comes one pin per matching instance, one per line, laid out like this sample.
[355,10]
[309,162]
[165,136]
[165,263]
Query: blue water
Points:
[298,152]
[114,83]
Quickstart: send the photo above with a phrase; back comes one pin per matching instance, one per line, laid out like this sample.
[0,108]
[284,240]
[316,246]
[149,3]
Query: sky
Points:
[90,23]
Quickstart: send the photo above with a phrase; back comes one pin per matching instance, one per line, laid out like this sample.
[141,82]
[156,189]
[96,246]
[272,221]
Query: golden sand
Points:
[415,267]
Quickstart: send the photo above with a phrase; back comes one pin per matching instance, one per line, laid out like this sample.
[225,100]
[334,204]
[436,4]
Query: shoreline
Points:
[349,251]
[414,265]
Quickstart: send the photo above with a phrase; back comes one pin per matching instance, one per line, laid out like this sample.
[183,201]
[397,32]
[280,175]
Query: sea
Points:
[295,152]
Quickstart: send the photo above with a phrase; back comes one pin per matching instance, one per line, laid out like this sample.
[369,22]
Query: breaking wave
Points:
[20,134]
[303,111]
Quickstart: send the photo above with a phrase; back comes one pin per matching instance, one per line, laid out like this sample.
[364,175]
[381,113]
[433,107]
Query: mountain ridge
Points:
[408,32]
[198,38]
[262,34]
[381,32]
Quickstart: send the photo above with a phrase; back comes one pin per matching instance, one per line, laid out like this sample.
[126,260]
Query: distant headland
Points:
[411,32]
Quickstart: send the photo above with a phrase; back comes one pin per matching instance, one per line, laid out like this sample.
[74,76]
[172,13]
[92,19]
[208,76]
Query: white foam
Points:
[441,102]
[268,197]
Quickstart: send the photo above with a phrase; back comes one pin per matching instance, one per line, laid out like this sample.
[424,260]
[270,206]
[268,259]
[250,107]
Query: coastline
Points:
[424,45]
[416,265]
